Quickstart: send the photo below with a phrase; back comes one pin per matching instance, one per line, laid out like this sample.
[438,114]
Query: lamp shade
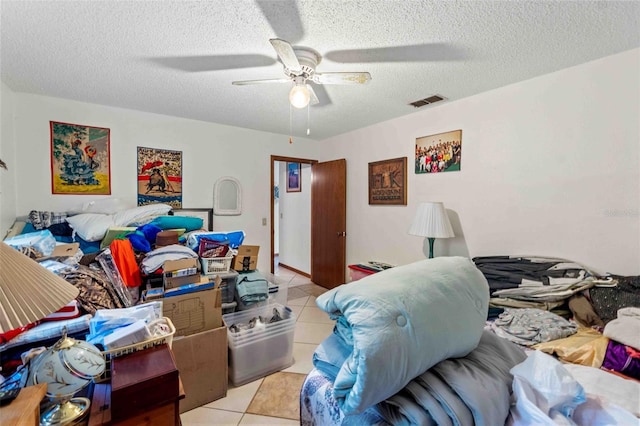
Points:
[28,291]
[431,221]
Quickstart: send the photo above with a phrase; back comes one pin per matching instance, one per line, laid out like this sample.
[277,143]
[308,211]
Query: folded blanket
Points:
[252,288]
[626,328]
[410,318]
[156,258]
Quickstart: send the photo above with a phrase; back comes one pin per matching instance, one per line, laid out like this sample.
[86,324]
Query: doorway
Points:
[290,215]
[326,225]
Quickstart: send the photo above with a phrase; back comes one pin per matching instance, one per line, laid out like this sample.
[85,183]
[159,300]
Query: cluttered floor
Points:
[274,400]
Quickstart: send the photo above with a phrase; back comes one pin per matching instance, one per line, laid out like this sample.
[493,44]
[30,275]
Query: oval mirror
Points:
[227,197]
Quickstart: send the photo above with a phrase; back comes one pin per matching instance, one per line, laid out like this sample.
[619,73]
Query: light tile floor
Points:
[312,327]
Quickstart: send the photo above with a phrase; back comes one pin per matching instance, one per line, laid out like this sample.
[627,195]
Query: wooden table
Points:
[25,409]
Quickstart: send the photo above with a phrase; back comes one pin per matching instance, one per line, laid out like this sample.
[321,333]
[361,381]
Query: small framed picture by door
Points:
[294,178]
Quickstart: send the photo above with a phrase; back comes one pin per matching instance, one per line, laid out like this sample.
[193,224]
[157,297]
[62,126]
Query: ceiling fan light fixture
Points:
[299,95]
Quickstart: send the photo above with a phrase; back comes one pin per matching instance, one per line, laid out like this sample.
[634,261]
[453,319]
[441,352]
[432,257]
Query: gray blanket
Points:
[474,389]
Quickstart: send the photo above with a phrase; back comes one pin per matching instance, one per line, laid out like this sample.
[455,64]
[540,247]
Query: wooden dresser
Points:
[145,389]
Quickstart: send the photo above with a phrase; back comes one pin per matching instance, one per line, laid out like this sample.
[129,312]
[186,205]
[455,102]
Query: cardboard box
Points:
[202,361]
[194,312]
[246,259]
[173,275]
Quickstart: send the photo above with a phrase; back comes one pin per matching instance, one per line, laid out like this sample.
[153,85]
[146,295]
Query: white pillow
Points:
[105,206]
[91,226]
[142,214]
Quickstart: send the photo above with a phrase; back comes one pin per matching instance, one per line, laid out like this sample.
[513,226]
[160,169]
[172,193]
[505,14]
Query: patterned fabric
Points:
[42,220]
[607,300]
[319,407]
[96,291]
[530,326]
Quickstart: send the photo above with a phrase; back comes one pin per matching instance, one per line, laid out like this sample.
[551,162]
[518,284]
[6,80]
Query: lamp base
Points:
[64,412]
[431,241]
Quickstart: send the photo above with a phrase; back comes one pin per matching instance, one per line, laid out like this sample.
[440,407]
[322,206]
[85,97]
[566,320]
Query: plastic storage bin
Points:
[229,308]
[263,349]
[228,285]
[356,272]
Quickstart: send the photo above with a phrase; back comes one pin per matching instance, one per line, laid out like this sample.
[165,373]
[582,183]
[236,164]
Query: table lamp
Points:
[28,293]
[431,221]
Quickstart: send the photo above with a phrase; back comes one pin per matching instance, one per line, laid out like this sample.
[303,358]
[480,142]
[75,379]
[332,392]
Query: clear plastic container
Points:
[263,349]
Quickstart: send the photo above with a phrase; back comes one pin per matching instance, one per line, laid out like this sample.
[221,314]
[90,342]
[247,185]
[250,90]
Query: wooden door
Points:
[328,223]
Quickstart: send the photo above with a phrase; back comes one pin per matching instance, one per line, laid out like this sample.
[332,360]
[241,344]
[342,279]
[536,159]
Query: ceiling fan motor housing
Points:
[308,59]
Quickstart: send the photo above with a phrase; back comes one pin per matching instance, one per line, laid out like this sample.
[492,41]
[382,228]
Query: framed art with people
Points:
[439,153]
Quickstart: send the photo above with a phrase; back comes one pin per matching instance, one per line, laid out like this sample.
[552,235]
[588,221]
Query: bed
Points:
[391,360]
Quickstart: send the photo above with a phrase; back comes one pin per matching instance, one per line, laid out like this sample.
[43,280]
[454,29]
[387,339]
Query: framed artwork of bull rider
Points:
[159,177]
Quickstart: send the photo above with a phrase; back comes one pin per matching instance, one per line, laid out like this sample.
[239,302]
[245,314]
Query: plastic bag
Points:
[545,392]
[42,243]
[106,321]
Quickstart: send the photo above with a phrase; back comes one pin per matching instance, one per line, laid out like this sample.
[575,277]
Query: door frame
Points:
[275,158]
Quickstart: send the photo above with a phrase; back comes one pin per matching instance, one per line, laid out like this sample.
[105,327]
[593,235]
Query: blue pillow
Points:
[190,223]
[88,247]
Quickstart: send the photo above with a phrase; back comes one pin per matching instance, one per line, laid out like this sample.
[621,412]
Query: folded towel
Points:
[252,288]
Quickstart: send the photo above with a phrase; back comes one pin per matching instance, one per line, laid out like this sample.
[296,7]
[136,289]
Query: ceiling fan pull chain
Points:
[290,127]
[308,127]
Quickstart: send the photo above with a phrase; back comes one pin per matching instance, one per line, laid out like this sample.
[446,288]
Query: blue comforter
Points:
[410,318]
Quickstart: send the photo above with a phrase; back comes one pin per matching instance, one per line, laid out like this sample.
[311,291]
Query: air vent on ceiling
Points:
[427,101]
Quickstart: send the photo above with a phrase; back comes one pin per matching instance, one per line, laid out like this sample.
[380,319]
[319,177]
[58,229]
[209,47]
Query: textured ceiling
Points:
[180,57]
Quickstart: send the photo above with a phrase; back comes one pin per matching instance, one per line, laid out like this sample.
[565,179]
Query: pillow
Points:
[189,223]
[105,206]
[402,321]
[140,215]
[91,226]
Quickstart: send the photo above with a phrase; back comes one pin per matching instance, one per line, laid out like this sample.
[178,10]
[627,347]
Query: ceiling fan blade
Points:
[284,19]
[268,80]
[312,95]
[412,53]
[213,62]
[286,54]
[341,78]
[321,93]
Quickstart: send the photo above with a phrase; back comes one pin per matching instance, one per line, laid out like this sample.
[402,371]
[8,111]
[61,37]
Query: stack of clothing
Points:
[533,282]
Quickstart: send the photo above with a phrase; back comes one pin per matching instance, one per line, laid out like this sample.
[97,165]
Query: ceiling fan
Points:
[300,68]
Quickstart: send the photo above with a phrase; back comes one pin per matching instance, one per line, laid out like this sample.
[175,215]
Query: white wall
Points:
[7,154]
[209,152]
[295,221]
[550,167]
